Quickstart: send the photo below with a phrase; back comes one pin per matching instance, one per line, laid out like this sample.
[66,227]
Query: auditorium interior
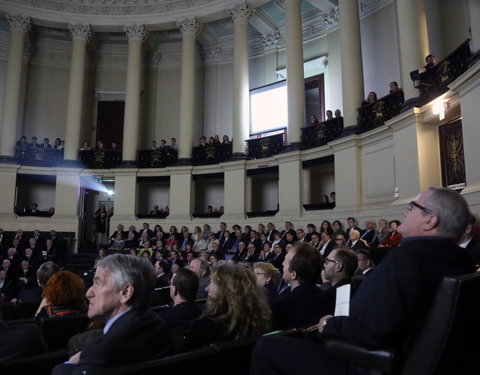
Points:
[131,72]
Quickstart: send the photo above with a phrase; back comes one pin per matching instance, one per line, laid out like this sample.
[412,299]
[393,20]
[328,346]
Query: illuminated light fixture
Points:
[439,109]
[110,192]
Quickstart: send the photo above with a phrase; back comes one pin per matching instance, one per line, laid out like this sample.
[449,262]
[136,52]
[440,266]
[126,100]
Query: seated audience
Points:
[236,307]
[85,146]
[355,242]
[121,293]
[405,284]
[226,140]
[164,275]
[365,264]
[44,273]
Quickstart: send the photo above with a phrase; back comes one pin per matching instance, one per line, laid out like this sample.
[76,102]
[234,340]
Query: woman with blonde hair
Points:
[267,276]
[236,307]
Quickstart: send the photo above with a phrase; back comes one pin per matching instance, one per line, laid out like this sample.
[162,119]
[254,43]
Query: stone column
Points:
[295,74]
[413,40]
[240,14]
[351,57]
[136,34]
[189,27]
[19,26]
[80,35]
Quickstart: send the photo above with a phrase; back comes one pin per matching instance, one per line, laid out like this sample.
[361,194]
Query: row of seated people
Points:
[214,140]
[331,128]
[239,305]
[374,112]
[23,145]
[34,211]
[99,146]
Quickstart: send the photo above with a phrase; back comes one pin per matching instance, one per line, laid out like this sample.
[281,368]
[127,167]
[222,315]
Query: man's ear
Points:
[294,275]
[431,222]
[127,293]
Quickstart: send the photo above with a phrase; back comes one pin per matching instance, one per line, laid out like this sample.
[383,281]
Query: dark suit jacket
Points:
[368,235]
[136,336]
[298,308]
[181,316]
[405,283]
[329,248]
[358,245]
[473,248]
[20,340]
[277,261]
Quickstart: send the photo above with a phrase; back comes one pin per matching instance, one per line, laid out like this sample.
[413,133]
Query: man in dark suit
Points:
[470,243]
[328,244]
[255,240]
[34,209]
[146,229]
[401,290]
[121,293]
[365,263]
[352,224]
[278,257]
[355,242]
[369,232]
[299,304]
[223,228]
[183,292]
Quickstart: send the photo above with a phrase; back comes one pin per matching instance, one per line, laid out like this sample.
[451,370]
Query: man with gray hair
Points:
[121,293]
[391,305]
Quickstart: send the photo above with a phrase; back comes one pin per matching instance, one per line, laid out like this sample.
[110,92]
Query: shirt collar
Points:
[113,320]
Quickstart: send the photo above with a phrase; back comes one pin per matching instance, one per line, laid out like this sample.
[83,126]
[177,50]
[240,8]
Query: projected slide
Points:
[268,108]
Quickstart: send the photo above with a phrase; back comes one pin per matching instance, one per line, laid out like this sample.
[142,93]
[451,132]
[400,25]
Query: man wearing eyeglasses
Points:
[390,306]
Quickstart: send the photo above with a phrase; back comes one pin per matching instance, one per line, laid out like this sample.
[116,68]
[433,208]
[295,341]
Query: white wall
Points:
[380,50]
[264,192]
[151,194]
[210,192]
[40,192]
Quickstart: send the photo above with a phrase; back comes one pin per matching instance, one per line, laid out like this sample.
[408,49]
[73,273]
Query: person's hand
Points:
[75,358]
[323,322]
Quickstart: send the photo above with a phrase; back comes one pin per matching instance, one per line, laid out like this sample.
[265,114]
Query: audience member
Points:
[63,295]
[469,242]
[236,307]
[267,276]
[365,264]
[300,303]
[394,237]
[183,293]
[121,293]
[202,268]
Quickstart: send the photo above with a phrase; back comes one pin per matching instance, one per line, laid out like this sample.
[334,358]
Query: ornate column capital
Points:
[80,31]
[155,57]
[19,23]
[136,32]
[241,12]
[211,54]
[189,26]
[271,41]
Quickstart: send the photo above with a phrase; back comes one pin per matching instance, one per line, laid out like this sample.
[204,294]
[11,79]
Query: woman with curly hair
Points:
[236,307]
[63,295]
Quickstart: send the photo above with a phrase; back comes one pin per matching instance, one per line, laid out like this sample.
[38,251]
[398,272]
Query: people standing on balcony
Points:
[34,143]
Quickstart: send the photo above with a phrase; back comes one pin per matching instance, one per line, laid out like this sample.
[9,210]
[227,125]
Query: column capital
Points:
[80,31]
[136,32]
[271,41]
[189,26]
[19,23]
[241,12]
[212,53]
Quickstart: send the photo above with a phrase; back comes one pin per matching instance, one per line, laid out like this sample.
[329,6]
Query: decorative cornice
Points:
[80,31]
[212,54]
[189,26]
[135,32]
[19,23]
[271,41]
[241,12]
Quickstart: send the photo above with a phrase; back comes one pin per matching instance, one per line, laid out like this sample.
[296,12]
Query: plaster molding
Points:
[135,32]
[80,31]
[189,26]
[18,22]
[241,12]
